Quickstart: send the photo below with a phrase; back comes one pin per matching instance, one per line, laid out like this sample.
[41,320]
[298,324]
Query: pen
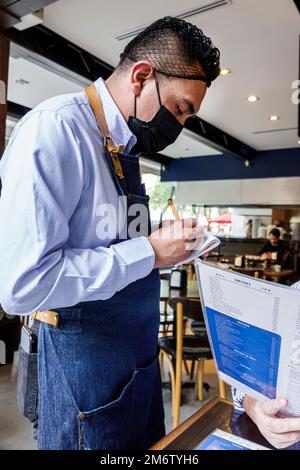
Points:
[174,210]
[170,203]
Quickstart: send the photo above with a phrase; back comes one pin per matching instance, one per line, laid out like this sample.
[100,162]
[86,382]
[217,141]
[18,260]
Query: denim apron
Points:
[98,372]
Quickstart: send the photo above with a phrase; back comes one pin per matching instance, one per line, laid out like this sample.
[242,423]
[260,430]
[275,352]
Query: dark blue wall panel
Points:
[267,164]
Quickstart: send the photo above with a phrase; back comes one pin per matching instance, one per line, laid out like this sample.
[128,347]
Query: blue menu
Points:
[221,440]
[245,352]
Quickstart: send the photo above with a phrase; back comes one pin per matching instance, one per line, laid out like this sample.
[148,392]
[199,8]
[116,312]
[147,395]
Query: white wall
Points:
[264,191]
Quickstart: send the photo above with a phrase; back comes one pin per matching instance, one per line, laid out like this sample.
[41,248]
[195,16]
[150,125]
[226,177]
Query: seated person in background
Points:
[275,245]
[281,433]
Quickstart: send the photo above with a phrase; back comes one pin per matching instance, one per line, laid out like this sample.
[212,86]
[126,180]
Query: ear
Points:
[141,71]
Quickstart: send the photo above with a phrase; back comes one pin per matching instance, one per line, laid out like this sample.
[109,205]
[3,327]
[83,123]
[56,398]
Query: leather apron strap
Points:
[110,147]
[47,316]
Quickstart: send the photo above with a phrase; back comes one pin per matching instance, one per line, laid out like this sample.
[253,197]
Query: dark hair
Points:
[275,232]
[176,48]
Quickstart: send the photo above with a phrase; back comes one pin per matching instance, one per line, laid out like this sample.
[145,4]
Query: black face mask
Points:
[155,135]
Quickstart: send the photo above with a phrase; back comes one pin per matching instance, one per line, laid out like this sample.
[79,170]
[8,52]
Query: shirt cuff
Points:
[238,399]
[138,256]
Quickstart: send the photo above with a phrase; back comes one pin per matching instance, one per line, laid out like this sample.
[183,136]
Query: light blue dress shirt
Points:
[54,178]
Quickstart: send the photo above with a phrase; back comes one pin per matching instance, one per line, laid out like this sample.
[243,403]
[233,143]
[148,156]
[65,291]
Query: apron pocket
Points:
[123,424]
[27,386]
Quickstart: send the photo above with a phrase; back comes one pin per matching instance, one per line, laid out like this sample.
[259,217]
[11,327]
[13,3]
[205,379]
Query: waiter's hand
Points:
[280,432]
[174,241]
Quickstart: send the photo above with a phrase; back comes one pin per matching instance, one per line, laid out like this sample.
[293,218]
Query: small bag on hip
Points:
[27,386]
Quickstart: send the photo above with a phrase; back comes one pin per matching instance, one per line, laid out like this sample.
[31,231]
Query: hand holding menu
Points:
[254,331]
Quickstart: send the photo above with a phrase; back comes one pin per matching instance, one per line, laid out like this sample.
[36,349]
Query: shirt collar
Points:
[117,126]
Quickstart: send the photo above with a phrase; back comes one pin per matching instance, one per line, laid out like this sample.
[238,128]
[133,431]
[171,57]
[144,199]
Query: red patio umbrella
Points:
[222,219]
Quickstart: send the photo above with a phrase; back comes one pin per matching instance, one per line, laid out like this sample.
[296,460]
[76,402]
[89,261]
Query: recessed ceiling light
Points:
[21,81]
[299,142]
[253,98]
[225,71]
[274,118]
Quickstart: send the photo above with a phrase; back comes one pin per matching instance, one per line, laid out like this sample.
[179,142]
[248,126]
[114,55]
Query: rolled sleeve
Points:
[238,399]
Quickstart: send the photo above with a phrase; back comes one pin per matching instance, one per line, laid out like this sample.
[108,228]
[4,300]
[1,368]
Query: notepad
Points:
[206,243]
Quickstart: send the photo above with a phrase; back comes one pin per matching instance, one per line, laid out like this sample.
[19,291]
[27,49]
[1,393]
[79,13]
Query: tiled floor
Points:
[16,432]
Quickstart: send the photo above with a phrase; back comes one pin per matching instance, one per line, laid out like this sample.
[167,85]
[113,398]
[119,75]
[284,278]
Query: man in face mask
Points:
[92,286]
[166,69]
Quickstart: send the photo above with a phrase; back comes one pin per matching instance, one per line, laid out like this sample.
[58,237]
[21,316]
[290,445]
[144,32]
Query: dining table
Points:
[265,273]
[217,413]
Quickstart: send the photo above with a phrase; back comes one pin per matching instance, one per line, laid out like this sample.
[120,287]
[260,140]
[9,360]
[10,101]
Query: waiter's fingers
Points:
[189,222]
[194,234]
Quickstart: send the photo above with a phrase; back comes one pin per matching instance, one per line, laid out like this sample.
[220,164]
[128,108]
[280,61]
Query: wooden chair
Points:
[179,347]
[198,328]
[166,318]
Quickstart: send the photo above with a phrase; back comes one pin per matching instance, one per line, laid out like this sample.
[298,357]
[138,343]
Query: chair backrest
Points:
[191,307]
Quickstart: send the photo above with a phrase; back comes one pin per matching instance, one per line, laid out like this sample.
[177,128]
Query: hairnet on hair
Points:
[177,48]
